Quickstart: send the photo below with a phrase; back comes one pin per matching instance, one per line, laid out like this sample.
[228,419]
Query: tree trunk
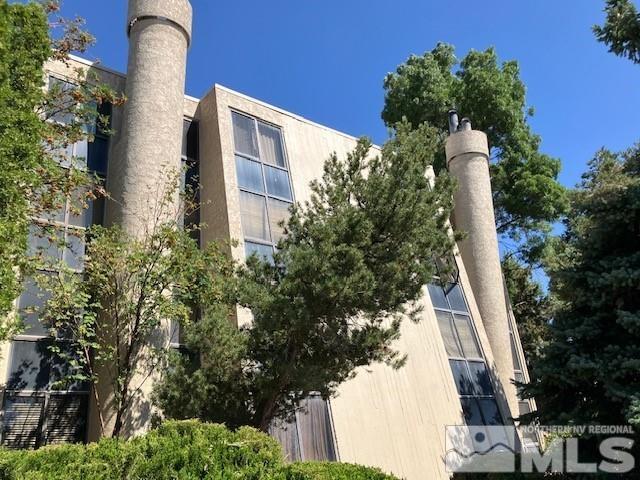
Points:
[267,411]
[122,408]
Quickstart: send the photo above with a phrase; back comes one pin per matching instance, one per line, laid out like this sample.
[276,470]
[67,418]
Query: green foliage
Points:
[135,290]
[213,380]
[176,450]
[588,372]
[32,144]
[527,195]
[621,30]
[354,256]
[531,306]
[333,471]
[24,46]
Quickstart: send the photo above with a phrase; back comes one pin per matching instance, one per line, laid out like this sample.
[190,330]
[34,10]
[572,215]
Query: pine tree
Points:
[526,192]
[621,30]
[354,260]
[590,370]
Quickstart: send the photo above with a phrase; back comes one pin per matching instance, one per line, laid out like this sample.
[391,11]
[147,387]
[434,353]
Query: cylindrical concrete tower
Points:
[468,160]
[150,137]
[144,160]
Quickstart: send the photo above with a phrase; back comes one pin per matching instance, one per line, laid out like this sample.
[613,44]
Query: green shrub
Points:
[186,450]
[333,471]
[176,450]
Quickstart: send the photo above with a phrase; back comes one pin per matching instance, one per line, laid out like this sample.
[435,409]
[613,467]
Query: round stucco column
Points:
[145,157]
[151,133]
[468,160]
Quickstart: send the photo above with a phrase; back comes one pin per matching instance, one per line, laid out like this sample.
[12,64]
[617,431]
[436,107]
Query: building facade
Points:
[252,161]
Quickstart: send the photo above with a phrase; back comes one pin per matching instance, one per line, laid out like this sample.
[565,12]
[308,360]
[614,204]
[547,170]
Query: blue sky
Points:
[326,60]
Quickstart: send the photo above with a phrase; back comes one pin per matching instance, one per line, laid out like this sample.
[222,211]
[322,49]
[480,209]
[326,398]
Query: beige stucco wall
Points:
[396,419]
[391,419]
[468,161]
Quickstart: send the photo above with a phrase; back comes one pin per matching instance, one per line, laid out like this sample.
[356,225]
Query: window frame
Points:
[476,396]
[67,228]
[263,165]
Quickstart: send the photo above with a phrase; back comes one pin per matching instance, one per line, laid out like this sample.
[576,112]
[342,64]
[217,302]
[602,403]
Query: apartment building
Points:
[252,161]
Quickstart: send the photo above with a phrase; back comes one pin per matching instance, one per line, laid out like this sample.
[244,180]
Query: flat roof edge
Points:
[300,118]
[100,66]
[295,116]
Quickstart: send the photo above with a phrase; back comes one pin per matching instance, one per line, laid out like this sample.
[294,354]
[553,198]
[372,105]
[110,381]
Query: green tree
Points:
[24,46]
[353,261]
[122,314]
[588,371]
[526,193]
[32,137]
[621,30]
[531,306]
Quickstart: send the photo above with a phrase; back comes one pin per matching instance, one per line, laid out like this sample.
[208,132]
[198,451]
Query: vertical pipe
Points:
[468,160]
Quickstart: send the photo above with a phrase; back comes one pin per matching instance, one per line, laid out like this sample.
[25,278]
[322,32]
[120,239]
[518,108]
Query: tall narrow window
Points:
[191,172]
[190,189]
[39,409]
[462,345]
[530,438]
[265,198]
[264,182]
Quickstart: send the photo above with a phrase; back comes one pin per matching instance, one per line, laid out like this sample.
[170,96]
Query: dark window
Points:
[461,343]
[190,140]
[191,172]
[98,155]
[34,367]
[471,410]
[462,377]
[40,405]
[490,412]
[438,297]
[480,378]
[263,179]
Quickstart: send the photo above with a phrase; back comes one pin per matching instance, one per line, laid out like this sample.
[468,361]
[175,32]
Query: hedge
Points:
[186,450]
